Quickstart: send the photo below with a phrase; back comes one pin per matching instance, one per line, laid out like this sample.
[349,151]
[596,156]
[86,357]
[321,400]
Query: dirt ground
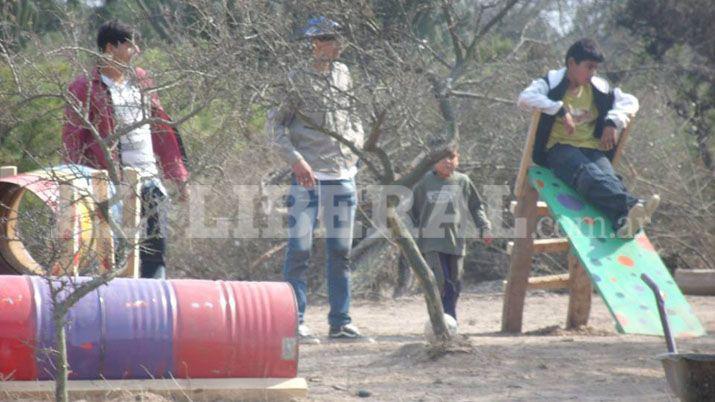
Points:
[546,363]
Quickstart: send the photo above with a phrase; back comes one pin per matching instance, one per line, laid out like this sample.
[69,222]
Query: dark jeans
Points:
[447,270]
[153,246]
[338,201]
[590,173]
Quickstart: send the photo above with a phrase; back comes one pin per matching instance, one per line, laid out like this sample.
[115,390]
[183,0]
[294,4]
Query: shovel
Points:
[691,376]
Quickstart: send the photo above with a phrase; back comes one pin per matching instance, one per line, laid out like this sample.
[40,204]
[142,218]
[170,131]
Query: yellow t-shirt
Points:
[583,110]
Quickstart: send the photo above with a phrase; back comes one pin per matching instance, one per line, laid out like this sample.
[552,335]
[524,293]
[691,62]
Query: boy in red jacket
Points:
[126,124]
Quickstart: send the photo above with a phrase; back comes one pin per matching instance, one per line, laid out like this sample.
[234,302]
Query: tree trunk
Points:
[423,272]
[59,316]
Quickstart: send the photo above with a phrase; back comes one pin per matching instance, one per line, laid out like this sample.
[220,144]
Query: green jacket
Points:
[447,212]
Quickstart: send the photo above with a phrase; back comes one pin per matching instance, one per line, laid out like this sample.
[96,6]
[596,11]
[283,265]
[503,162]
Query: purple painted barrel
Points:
[144,328]
[123,330]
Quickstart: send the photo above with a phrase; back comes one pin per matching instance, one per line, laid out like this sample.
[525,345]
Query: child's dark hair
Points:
[114,32]
[585,49]
[452,150]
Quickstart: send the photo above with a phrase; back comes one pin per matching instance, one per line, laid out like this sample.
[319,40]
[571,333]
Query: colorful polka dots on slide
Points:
[625,260]
[570,202]
[615,264]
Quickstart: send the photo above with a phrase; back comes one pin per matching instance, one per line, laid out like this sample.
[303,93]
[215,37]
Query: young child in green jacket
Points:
[443,200]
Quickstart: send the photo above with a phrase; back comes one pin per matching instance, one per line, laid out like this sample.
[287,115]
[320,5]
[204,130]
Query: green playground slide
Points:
[614,264]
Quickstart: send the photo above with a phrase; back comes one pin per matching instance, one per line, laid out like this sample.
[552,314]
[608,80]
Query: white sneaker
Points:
[305,335]
[348,331]
[634,221]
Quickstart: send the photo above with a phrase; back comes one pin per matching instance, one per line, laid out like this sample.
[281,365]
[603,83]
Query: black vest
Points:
[604,103]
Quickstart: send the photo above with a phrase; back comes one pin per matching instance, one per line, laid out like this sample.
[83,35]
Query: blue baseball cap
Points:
[321,27]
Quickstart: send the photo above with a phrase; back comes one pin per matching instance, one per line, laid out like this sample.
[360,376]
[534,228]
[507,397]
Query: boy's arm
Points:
[74,134]
[535,97]
[476,207]
[624,107]
[417,203]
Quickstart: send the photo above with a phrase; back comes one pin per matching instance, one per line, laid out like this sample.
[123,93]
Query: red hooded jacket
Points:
[81,146]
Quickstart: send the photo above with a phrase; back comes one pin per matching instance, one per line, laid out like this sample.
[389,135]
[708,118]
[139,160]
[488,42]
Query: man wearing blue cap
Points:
[319,99]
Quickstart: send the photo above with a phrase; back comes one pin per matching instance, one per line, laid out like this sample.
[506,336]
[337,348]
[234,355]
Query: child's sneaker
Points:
[633,222]
[651,205]
[347,331]
[305,335]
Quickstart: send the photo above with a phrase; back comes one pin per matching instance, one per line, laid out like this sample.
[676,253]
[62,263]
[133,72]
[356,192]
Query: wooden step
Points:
[542,209]
[547,282]
[557,245]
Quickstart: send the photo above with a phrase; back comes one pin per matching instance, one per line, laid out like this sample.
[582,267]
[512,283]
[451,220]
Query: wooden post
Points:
[67,232]
[103,240]
[131,209]
[520,265]
[620,146]
[580,290]
[521,184]
[6,171]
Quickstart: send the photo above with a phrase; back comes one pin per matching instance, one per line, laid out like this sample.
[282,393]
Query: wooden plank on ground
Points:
[202,389]
[696,281]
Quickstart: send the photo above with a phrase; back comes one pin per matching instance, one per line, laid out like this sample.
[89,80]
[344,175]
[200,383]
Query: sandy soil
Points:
[546,363]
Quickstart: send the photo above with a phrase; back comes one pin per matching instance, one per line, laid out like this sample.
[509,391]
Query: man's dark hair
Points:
[585,49]
[114,32]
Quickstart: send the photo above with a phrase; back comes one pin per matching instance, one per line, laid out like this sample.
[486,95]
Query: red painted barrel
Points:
[17,329]
[234,329]
[145,328]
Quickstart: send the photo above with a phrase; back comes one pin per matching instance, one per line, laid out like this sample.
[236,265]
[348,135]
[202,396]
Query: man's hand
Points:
[303,174]
[569,125]
[609,138]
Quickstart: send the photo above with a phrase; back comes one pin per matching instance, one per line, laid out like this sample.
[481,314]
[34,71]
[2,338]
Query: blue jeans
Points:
[447,269]
[338,201]
[590,173]
[152,252]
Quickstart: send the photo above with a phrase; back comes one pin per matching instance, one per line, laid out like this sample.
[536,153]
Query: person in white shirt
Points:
[135,128]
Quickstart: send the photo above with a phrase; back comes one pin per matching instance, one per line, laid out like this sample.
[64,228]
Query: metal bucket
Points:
[691,376]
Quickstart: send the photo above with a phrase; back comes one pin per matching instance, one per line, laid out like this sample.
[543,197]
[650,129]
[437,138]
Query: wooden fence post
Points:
[67,231]
[103,241]
[131,219]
